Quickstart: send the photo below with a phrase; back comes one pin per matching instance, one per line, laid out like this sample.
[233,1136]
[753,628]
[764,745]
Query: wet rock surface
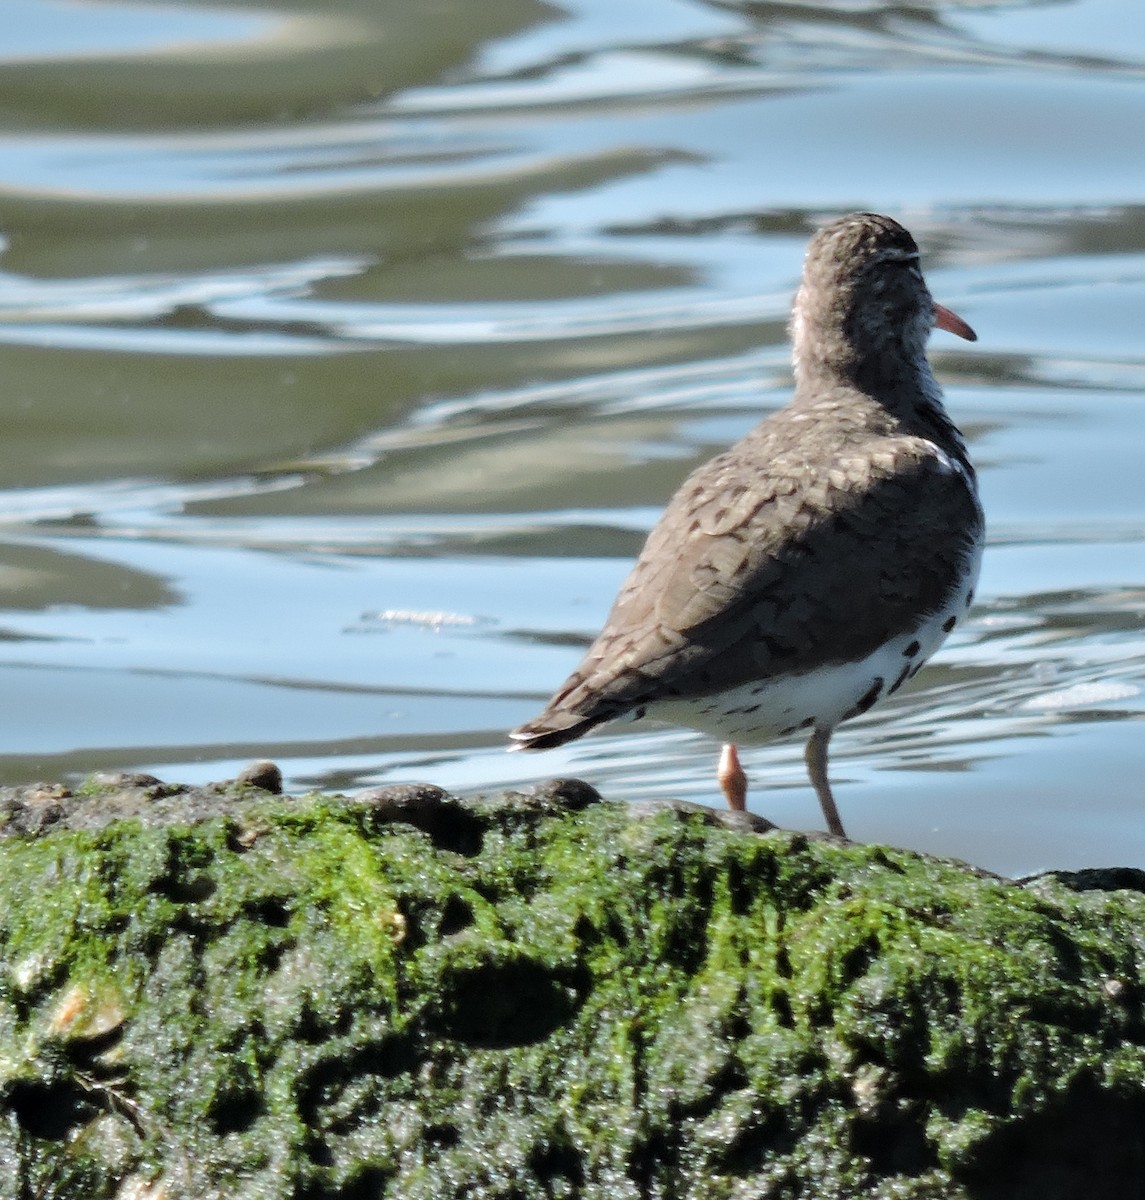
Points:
[223,991]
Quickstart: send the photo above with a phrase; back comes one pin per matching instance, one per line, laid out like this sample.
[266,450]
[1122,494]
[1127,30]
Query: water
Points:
[348,351]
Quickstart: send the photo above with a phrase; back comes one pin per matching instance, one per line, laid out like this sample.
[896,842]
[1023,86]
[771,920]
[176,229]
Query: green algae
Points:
[314,998]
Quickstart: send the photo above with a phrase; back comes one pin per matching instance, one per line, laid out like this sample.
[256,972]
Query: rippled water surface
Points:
[349,350]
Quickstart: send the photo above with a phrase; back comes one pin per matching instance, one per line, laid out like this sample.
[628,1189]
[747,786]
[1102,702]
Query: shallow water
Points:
[348,351]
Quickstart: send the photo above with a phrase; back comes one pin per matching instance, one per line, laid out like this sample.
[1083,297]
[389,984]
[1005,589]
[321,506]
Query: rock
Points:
[223,993]
[107,780]
[745,821]
[262,774]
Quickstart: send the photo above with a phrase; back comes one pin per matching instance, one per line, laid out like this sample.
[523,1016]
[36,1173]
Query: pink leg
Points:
[733,781]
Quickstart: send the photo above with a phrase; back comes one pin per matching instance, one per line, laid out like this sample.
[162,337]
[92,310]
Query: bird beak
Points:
[953,323]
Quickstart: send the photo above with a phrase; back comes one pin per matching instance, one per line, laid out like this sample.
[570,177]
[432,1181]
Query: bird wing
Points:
[729,587]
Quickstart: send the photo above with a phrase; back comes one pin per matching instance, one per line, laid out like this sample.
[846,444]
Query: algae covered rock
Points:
[228,993]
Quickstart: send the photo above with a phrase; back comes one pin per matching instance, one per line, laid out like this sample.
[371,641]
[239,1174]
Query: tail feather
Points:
[546,731]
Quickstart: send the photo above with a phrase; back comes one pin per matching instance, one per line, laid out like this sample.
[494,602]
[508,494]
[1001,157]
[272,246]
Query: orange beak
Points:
[953,323]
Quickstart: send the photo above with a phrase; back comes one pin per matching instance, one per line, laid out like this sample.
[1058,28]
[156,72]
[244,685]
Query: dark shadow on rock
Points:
[497,1006]
[1089,1145]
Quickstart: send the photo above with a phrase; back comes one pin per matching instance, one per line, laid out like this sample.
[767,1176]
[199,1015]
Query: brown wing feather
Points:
[726,589]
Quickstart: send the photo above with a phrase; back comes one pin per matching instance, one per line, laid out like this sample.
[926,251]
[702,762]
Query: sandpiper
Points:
[810,570]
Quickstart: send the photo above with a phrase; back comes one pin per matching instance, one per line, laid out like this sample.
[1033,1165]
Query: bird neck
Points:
[872,341]
[888,393]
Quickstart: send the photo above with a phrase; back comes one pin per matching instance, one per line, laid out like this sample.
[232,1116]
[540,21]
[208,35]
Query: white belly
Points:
[759,712]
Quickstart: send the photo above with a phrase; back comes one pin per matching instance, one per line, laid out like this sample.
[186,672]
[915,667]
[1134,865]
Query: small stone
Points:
[571,794]
[868,1086]
[40,793]
[246,836]
[745,822]
[398,798]
[450,823]
[1113,988]
[84,1013]
[262,774]
[123,779]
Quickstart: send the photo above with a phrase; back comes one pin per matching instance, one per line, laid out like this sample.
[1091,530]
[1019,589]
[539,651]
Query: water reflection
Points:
[48,31]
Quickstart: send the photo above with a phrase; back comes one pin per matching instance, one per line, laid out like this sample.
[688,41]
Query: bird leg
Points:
[816,759]
[733,781]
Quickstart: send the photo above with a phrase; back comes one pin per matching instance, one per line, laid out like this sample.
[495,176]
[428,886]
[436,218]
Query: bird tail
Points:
[547,731]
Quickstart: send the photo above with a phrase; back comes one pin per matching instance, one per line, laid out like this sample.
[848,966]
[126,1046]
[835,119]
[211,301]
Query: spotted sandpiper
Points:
[810,570]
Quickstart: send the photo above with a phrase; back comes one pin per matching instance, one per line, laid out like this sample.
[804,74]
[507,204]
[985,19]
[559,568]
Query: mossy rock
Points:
[226,993]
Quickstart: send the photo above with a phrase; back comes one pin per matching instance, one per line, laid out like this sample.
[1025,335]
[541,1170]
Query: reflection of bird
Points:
[811,569]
